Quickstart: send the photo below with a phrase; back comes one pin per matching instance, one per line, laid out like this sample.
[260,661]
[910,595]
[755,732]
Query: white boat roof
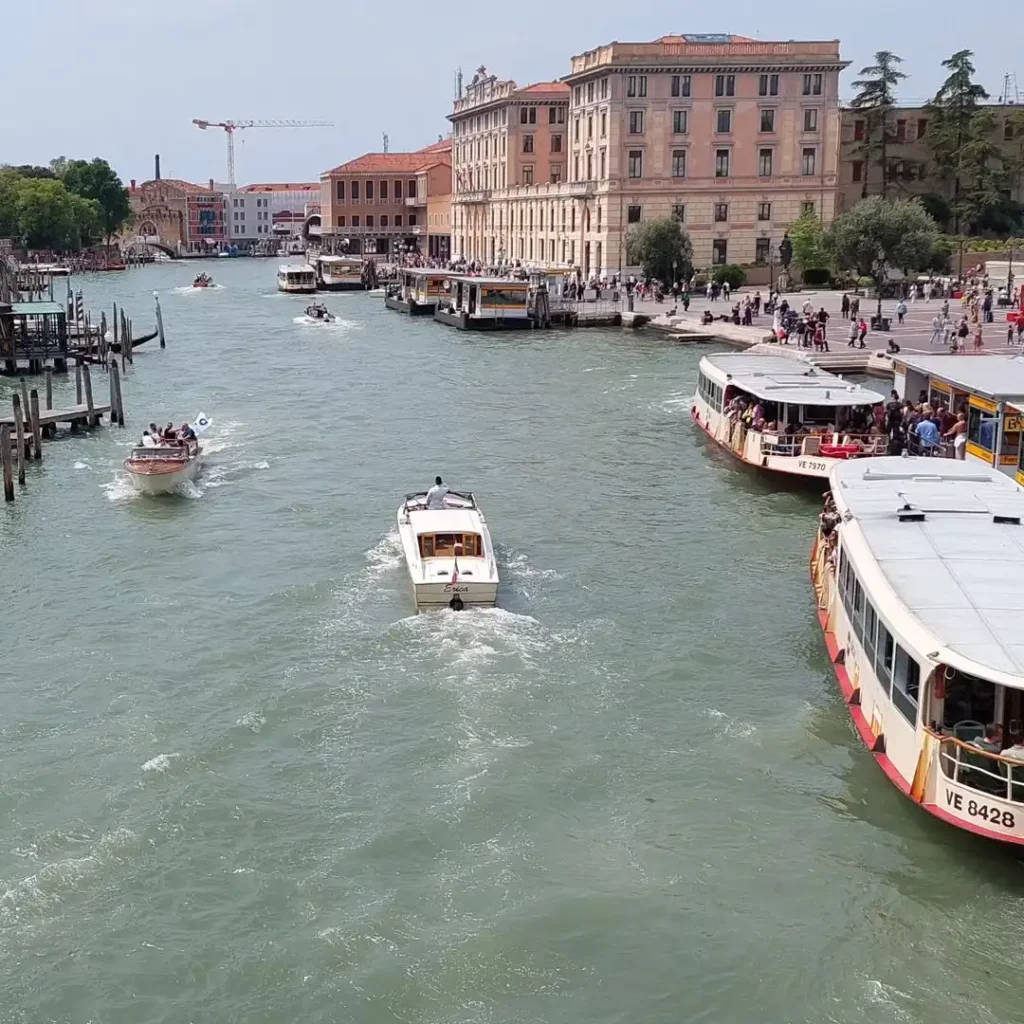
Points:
[445,520]
[295,268]
[502,282]
[340,259]
[782,379]
[998,377]
[959,572]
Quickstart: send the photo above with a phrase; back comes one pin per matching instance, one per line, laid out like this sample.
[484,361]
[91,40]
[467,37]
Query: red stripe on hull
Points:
[868,738]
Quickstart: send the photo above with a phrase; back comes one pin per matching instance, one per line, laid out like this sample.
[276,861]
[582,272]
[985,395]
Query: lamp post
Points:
[772,253]
[675,265]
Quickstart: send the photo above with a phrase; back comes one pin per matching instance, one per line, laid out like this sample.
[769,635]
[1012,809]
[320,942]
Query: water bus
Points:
[485,304]
[418,291]
[296,278]
[811,419]
[448,551]
[339,273]
[988,388]
[917,574]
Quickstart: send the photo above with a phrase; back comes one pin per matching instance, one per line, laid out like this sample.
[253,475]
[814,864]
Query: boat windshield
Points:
[453,499]
[451,545]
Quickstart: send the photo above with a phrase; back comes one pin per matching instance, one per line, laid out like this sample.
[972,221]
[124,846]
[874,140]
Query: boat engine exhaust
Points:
[456,604]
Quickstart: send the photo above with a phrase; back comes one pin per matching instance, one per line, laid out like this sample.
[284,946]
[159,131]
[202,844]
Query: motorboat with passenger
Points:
[202,280]
[296,278]
[448,551]
[784,414]
[162,464]
[317,313]
[917,569]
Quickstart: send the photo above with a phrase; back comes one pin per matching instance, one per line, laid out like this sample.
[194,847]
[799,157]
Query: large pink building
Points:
[734,137]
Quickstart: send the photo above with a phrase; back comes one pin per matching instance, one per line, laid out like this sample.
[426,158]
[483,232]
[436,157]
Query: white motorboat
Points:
[157,467]
[296,278]
[317,313]
[448,552]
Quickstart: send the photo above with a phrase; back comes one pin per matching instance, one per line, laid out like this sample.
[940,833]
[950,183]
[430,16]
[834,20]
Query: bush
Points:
[817,277]
[865,282]
[733,273]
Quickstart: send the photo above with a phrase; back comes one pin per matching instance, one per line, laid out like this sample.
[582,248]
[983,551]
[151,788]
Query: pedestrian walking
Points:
[852,337]
[901,311]
[862,332]
[937,323]
[845,306]
[855,308]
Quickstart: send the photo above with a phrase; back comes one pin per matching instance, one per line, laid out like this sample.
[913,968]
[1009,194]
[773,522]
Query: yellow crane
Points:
[230,127]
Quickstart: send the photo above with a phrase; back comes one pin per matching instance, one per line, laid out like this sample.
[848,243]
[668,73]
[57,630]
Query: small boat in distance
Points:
[202,280]
[448,551]
[160,465]
[296,278]
[317,313]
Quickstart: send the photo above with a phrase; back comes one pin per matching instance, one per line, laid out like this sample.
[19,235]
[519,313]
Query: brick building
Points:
[387,203]
[179,215]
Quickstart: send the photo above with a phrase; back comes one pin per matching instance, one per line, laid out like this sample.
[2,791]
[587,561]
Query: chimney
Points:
[133,184]
[211,184]
[156,167]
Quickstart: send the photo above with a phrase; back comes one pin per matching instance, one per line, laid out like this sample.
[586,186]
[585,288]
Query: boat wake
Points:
[187,289]
[336,324]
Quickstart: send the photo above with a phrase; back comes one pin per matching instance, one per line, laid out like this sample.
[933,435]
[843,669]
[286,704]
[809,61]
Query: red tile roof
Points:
[389,163]
[183,186]
[546,87]
[441,146]
[307,186]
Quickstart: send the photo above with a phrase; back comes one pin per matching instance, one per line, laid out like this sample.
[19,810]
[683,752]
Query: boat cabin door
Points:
[459,285]
[472,298]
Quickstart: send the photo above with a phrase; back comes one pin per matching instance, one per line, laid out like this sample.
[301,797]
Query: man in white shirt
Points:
[435,496]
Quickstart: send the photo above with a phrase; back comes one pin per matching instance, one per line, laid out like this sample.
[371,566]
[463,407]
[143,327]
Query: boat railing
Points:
[419,498]
[832,446]
[982,770]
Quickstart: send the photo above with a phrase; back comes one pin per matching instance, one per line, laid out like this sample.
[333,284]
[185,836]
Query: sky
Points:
[123,79]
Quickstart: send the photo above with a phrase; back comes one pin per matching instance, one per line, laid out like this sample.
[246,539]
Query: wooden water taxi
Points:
[339,273]
[988,389]
[783,414]
[917,572]
[418,291]
[448,551]
[296,279]
[485,304]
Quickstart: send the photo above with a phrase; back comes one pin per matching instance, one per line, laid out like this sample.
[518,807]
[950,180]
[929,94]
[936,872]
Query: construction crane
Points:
[230,127]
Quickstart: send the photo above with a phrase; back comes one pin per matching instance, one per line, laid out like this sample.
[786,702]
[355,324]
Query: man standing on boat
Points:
[435,496]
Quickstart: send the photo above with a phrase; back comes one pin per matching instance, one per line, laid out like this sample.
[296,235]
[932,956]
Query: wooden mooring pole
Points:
[116,407]
[24,397]
[5,460]
[37,434]
[19,433]
[78,381]
[49,388]
[87,381]
[159,320]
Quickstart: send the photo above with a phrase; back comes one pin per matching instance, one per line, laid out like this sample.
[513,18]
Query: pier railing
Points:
[987,772]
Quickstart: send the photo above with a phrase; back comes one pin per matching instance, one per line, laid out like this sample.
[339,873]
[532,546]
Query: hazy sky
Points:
[124,78]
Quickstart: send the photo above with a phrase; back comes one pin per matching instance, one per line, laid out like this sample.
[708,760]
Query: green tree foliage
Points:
[731,272]
[96,180]
[879,235]
[656,244]
[953,137]
[806,235]
[876,98]
[937,208]
[48,216]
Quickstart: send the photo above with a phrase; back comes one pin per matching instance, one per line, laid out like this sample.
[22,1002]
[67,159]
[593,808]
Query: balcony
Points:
[477,196]
[415,201]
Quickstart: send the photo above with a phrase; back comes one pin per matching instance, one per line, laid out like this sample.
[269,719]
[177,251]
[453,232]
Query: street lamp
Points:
[773,252]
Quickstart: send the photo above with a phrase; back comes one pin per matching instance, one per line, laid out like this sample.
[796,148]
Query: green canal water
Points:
[243,781]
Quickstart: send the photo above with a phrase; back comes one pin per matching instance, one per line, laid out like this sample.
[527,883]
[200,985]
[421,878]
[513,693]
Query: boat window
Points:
[1009,448]
[981,428]
[844,570]
[937,397]
[427,546]
[819,414]
[447,545]
[858,609]
[906,681]
[870,629]
[884,657]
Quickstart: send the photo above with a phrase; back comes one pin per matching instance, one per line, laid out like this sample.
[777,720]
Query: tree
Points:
[806,234]
[50,217]
[950,117]
[879,234]
[876,98]
[96,180]
[937,208]
[662,247]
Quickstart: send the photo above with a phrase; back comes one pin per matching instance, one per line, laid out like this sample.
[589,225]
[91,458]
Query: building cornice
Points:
[746,67]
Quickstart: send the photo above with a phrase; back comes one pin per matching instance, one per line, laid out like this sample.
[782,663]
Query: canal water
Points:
[243,781]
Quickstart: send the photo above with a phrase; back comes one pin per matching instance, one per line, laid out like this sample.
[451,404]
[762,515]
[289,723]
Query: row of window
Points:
[711,392]
[723,163]
[895,669]
[526,218]
[382,190]
[385,221]
[682,85]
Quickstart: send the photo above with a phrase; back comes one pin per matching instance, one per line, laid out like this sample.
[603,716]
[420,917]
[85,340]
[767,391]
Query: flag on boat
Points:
[455,572]
[201,423]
